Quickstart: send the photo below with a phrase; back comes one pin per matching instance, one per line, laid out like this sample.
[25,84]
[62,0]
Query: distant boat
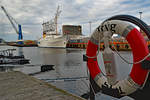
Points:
[7,57]
[53,41]
[14,61]
[51,38]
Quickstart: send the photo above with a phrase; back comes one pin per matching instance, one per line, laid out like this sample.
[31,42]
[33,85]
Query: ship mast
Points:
[56,17]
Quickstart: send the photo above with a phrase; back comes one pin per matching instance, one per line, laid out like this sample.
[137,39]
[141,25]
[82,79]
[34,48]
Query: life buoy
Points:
[139,48]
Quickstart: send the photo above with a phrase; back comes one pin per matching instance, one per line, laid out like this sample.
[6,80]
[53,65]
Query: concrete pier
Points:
[19,86]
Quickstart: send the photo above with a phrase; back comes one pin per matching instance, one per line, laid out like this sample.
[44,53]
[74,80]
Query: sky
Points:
[32,13]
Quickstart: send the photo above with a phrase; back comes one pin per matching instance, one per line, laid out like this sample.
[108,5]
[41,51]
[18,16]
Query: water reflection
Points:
[68,64]
[20,51]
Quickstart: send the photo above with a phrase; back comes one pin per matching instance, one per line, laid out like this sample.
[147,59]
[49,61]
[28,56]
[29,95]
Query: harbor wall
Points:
[120,46]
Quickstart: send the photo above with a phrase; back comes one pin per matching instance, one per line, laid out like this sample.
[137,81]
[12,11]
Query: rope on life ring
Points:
[137,76]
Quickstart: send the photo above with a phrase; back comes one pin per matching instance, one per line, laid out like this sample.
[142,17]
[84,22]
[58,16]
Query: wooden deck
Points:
[19,86]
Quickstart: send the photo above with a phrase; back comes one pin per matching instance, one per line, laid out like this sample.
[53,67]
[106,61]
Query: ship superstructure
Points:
[51,37]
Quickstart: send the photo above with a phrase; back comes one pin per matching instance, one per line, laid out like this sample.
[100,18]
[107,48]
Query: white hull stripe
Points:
[94,41]
[134,85]
[98,76]
[127,30]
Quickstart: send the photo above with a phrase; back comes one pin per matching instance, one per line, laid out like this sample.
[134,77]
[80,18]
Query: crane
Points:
[13,22]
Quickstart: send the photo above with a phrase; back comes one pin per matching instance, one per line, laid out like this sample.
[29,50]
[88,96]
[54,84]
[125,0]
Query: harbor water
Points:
[70,72]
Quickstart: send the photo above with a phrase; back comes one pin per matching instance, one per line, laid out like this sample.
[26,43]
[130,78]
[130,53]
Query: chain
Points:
[137,62]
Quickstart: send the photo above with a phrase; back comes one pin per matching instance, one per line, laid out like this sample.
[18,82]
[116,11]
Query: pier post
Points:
[95,87]
[91,84]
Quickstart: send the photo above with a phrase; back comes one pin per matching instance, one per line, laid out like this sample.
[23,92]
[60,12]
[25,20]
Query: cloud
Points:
[80,1]
[31,13]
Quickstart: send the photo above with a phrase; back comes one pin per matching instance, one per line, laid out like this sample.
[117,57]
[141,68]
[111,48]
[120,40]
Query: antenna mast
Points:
[56,17]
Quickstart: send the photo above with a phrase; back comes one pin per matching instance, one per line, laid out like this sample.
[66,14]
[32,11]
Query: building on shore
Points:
[74,33]
[72,30]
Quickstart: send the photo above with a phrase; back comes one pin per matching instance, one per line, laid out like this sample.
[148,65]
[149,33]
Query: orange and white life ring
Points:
[139,47]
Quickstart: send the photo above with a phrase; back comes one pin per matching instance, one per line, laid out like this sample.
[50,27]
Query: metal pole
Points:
[56,25]
[140,17]
[92,96]
[140,14]
[90,26]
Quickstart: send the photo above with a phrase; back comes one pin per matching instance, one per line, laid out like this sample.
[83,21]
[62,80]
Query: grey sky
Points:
[31,14]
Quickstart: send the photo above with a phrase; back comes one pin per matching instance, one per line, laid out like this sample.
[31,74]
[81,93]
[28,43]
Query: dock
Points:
[19,86]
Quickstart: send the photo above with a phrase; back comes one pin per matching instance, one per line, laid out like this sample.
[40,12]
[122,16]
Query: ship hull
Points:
[52,42]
